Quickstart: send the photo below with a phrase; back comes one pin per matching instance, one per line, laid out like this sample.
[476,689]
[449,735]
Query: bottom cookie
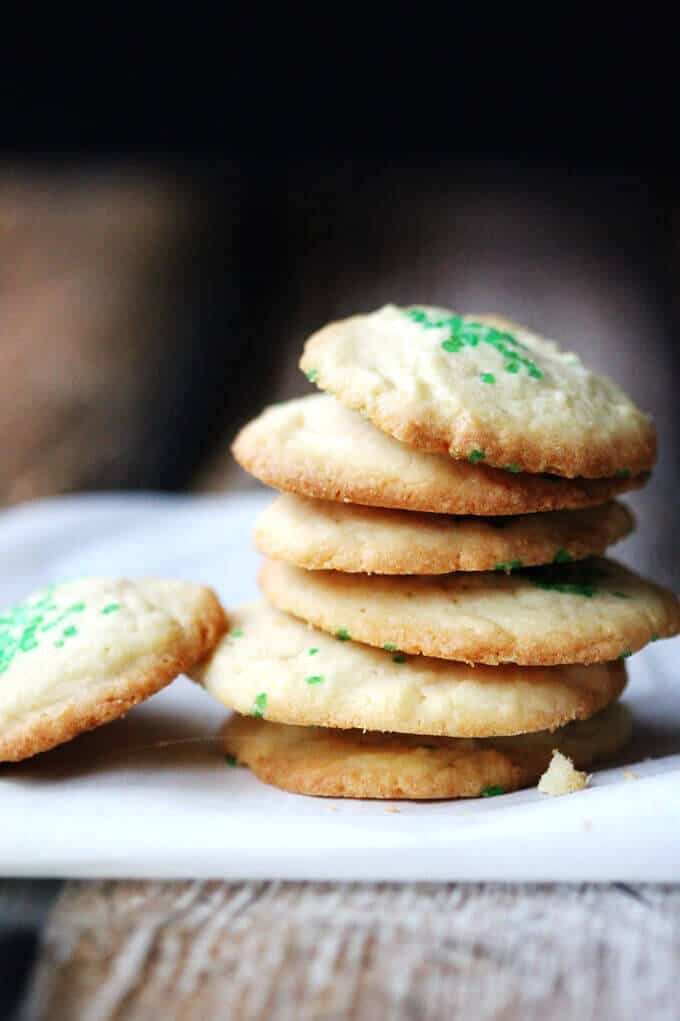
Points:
[332,763]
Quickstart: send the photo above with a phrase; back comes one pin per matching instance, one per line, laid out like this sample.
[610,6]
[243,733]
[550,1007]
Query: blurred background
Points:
[153,296]
[146,311]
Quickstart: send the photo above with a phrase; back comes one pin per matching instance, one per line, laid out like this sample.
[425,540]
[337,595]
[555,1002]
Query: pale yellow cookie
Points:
[275,667]
[456,384]
[325,535]
[354,764]
[587,612]
[80,654]
[314,447]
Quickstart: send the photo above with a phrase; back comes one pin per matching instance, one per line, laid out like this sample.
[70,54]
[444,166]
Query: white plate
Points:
[151,795]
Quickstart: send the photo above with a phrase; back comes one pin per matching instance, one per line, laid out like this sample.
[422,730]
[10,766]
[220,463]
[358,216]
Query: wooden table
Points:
[194,951]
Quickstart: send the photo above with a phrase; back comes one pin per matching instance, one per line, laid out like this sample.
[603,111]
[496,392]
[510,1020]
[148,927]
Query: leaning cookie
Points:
[325,535]
[315,447]
[274,667]
[587,612]
[358,764]
[456,384]
[80,654]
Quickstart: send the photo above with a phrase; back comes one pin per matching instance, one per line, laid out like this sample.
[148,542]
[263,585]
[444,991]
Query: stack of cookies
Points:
[438,617]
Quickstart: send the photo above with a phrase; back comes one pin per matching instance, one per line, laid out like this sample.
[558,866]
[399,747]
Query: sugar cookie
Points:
[462,384]
[326,535]
[586,612]
[314,447]
[274,667]
[80,654]
[354,764]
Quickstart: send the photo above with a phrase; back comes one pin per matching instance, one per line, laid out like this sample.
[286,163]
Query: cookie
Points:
[314,447]
[77,655]
[354,764]
[274,667]
[587,612]
[324,535]
[460,385]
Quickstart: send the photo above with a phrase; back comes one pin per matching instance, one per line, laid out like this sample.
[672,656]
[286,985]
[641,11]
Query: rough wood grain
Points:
[196,951]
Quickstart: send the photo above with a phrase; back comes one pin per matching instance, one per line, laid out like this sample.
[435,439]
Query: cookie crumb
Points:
[628,774]
[392,809]
[561,778]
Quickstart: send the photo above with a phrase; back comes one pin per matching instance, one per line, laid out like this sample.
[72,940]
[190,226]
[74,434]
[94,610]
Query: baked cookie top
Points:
[332,763]
[480,385]
[275,667]
[586,612]
[76,655]
[325,535]
[315,447]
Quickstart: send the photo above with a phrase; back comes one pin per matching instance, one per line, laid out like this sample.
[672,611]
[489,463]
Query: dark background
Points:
[175,219]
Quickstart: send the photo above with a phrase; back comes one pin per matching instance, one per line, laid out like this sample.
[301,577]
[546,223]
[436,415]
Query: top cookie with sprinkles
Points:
[480,386]
[80,654]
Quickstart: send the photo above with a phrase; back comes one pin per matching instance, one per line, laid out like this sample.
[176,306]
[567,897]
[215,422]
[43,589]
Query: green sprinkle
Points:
[75,608]
[260,705]
[418,316]
[399,659]
[622,473]
[620,595]
[231,760]
[588,591]
[312,652]
[475,456]
[342,634]
[315,679]
[312,375]
[390,648]
[626,653]
[562,556]
[578,579]
[508,567]
[514,468]
[236,632]
[493,791]
[487,377]
[463,333]
[452,346]
[22,626]
[654,637]
[111,608]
